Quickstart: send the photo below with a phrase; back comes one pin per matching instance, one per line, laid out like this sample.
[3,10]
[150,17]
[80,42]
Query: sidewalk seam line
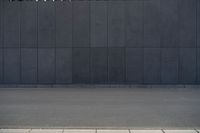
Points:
[163,130]
[29,130]
[196,130]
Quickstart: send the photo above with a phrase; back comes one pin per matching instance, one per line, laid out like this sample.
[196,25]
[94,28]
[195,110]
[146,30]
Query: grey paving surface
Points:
[100,107]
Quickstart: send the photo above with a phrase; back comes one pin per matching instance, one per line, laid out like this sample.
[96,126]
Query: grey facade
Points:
[100,42]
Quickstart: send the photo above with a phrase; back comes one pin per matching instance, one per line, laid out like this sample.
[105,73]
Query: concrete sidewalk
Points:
[94,131]
[152,108]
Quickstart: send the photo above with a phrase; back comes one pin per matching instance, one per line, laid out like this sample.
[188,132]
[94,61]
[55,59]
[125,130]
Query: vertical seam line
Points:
[161,82]
[107,41]
[20,57]
[179,48]
[197,41]
[143,6]
[37,41]
[125,35]
[90,62]
[55,48]
[72,13]
[2,16]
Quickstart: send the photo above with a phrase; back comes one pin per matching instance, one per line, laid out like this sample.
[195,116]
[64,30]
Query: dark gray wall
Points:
[100,42]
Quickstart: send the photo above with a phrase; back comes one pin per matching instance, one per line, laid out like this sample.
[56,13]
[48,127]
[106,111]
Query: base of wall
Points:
[95,86]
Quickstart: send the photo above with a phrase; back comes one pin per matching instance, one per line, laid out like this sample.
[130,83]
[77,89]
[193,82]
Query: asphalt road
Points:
[100,107]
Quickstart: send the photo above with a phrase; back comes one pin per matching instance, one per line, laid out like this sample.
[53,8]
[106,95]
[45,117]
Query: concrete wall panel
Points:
[187,23]
[81,24]
[152,65]
[63,24]
[99,64]
[198,23]
[46,65]
[116,65]
[1,65]
[116,24]
[134,65]
[170,65]
[1,24]
[11,24]
[46,24]
[198,66]
[81,65]
[134,23]
[169,23]
[98,24]
[187,65]
[12,65]
[28,24]
[98,42]
[29,65]
[152,23]
[63,65]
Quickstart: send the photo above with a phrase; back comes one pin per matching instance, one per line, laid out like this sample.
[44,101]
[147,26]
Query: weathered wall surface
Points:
[100,42]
